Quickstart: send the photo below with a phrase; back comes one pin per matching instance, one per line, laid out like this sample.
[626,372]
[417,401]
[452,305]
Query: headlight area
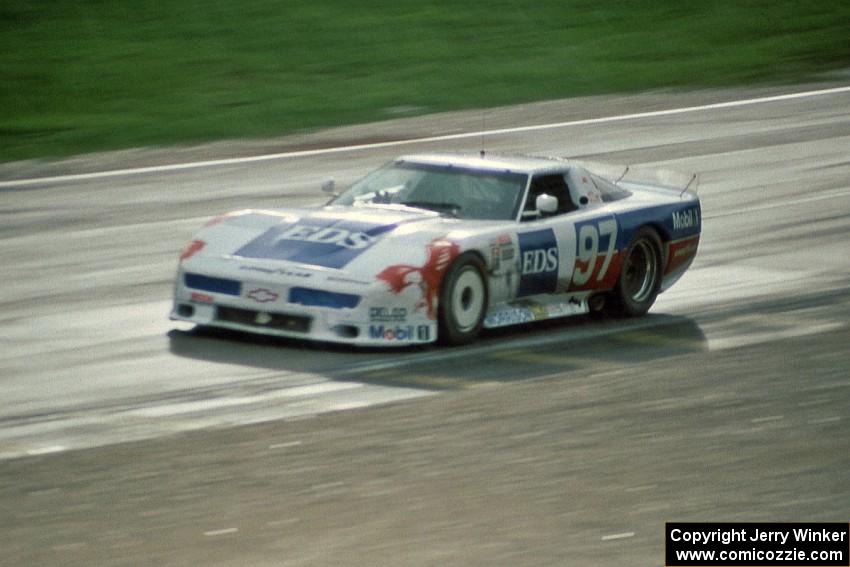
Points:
[193,305]
[298,311]
[266,309]
[321,298]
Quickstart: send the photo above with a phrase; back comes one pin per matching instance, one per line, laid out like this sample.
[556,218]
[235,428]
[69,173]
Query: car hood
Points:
[355,239]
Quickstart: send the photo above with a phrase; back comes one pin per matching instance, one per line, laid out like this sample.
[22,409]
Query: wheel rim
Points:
[467,299]
[640,271]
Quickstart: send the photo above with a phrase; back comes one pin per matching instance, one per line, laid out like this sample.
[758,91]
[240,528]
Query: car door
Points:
[597,236]
[546,242]
[571,251]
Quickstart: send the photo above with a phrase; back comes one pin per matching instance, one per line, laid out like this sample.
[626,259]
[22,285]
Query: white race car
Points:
[438,246]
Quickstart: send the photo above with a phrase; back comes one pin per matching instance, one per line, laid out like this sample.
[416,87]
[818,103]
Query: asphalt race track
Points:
[127,439]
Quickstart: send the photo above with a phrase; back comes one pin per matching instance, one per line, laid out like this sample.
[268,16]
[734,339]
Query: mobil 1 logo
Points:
[538,262]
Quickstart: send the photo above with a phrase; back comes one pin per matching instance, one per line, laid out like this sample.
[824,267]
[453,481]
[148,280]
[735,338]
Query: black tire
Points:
[463,301]
[640,276]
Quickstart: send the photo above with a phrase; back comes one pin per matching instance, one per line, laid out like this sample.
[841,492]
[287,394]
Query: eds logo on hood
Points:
[330,243]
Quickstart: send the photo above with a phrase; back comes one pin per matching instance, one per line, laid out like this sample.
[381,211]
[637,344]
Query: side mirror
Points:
[546,204]
[329,187]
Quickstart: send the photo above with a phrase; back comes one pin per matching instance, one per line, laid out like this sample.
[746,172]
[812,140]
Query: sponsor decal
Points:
[439,255]
[347,280]
[688,250]
[329,243]
[538,311]
[538,257]
[388,314]
[527,312]
[507,317]
[400,332]
[277,271]
[591,192]
[681,252]
[688,218]
[201,297]
[344,238]
[262,295]
[501,251]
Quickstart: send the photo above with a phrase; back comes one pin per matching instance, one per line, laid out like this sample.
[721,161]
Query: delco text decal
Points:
[321,242]
[538,262]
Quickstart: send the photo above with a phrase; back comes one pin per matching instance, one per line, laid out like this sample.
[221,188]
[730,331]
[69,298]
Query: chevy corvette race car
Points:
[438,246]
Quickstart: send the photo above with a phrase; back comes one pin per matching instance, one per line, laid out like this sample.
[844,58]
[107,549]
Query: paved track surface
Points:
[127,439]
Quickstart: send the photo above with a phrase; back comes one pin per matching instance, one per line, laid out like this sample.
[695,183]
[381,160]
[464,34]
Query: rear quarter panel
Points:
[675,215]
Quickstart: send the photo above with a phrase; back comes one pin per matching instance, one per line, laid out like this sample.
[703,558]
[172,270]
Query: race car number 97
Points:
[587,249]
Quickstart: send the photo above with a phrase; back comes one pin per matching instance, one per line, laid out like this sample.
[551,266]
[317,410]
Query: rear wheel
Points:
[640,276]
[463,301]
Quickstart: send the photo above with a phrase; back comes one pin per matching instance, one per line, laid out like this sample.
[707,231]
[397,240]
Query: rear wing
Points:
[628,175]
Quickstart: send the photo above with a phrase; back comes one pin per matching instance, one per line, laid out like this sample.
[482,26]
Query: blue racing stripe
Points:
[327,242]
[676,220]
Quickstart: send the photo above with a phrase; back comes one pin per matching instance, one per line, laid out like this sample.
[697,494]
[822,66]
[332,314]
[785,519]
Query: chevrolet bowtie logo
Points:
[262,295]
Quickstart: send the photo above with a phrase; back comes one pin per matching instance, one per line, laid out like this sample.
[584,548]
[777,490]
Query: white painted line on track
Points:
[221,403]
[737,341]
[832,194]
[440,138]
[118,424]
[480,350]
[326,487]
[285,445]
[225,531]
[46,450]
[767,419]
[69,546]
[642,488]
[824,420]
[624,535]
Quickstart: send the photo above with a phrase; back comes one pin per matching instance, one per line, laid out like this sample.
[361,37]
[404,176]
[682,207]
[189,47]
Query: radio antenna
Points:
[694,178]
[623,175]
[483,128]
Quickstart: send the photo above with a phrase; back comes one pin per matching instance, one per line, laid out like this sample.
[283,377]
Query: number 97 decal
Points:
[592,239]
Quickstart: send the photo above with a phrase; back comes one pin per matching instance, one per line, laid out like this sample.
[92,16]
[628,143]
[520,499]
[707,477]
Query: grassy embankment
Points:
[95,75]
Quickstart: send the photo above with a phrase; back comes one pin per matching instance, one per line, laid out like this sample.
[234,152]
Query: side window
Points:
[554,185]
[609,191]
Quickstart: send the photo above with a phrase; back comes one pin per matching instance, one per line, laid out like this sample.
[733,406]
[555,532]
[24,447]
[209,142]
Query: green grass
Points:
[92,75]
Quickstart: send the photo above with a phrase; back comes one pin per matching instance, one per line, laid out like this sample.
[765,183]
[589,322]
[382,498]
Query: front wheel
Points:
[463,301]
[640,276]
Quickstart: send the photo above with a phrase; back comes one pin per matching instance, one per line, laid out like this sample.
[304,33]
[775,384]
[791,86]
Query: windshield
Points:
[453,191]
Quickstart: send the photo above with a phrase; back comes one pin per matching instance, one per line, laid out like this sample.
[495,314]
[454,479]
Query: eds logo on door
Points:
[538,262]
[331,243]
